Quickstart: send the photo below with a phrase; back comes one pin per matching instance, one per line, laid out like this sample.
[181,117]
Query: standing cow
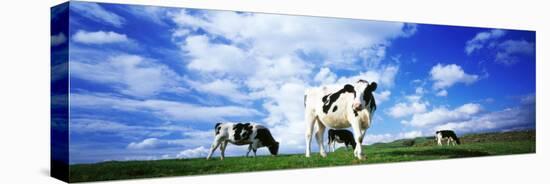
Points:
[339,107]
[446,134]
[251,134]
[340,136]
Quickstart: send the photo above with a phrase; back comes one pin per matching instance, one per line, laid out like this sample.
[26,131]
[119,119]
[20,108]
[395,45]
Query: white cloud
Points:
[263,54]
[273,35]
[325,76]
[385,76]
[443,115]
[387,137]
[400,110]
[162,109]
[528,99]
[509,49]
[129,74]
[521,117]
[445,76]
[97,13]
[227,58]
[382,96]
[145,144]
[99,37]
[132,130]
[442,93]
[480,40]
[58,39]
[200,151]
[413,106]
[154,14]
[222,87]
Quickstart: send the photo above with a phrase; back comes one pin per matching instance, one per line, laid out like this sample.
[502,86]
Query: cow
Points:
[350,105]
[446,134]
[340,136]
[251,134]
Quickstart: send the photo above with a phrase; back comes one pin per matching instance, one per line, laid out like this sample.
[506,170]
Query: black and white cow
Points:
[339,107]
[446,134]
[340,136]
[251,134]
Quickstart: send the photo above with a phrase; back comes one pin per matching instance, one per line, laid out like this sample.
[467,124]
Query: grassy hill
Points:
[422,148]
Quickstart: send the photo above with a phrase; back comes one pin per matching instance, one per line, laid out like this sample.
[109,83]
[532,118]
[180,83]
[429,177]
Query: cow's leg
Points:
[254,151]
[310,121]
[448,141]
[328,145]
[249,149]
[363,131]
[319,138]
[222,148]
[214,146]
[358,152]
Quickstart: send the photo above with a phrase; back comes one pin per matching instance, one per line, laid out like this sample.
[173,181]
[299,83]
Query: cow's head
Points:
[364,95]
[274,148]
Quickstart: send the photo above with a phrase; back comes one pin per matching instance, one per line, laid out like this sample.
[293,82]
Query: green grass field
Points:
[422,148]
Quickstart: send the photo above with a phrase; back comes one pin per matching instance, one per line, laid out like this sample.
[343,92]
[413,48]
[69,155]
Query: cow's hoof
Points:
[324,155]
[307,155]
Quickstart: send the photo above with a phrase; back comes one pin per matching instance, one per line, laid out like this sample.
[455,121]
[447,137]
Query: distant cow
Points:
[340,136]
[251,134]
[446,134]
[339,106]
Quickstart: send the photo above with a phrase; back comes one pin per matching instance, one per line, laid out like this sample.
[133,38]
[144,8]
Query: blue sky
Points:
[151,82]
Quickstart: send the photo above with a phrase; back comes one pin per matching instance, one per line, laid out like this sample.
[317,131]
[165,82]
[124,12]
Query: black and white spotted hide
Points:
[251,134]
[446,134]
[340,136]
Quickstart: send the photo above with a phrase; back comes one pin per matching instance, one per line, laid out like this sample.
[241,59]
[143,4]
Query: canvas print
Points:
[147,91]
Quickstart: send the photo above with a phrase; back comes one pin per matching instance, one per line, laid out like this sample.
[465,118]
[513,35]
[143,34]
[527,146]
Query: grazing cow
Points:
[340,136]
[251,134]
[446,134]
[339,107]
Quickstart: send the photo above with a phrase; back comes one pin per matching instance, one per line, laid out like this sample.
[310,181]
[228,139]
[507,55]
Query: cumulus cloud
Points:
[129,74]
[58,39]
[200,151]
[99,37]
[521,117]
[442,93]
[162,109]
[413,105]
[97,13]
[387,137]
[227,58]
[154,14]
[442,115]
[480,40]
[276,35]
[509,50]
[191,138]
[222,87]
[145,144]
[382,96]
[400,110]
[445,76]
[96,125]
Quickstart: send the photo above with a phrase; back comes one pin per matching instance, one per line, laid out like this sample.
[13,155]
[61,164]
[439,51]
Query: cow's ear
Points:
[372,86]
